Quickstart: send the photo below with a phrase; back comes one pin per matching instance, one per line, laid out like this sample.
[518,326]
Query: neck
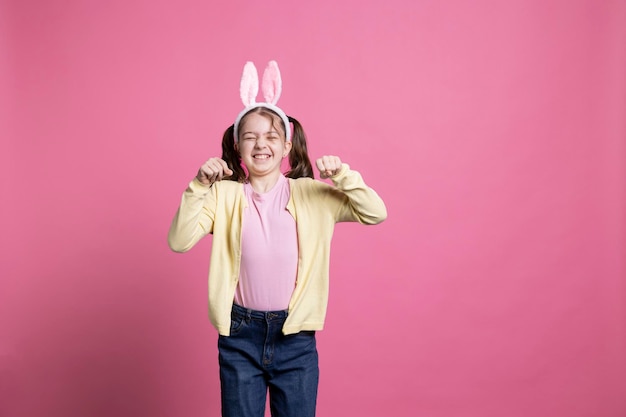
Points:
[262,184]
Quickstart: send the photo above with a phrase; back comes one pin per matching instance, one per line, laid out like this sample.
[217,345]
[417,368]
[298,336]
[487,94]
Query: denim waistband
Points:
[239,311]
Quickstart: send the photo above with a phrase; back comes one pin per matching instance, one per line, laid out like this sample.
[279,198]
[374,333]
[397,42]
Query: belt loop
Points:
[248,315]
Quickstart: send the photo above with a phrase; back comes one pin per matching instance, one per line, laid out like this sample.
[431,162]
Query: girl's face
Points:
[262,145]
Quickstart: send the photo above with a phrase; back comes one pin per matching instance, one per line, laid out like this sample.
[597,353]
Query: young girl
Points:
[269,269]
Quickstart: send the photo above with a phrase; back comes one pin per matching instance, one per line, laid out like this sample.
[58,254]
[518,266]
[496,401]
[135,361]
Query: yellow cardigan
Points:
[316,206]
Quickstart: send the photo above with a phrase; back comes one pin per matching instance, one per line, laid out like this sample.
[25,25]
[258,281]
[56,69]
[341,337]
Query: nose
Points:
[260,142]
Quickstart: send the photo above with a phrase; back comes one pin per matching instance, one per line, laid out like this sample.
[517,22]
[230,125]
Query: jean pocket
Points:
[236,324]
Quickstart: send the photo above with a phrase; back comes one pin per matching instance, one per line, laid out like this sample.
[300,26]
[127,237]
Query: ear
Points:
[272,84]
[249,86]
[288,146]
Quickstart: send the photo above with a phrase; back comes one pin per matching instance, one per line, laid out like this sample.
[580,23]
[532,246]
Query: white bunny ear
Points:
[272,84]
[249,87]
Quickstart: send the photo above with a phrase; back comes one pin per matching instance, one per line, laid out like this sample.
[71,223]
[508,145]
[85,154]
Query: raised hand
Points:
[328,165]
[213,170]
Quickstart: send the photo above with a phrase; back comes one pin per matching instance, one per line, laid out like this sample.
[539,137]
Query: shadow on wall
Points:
[105,343]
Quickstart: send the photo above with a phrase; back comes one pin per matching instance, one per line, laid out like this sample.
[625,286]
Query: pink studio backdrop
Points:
[493,130]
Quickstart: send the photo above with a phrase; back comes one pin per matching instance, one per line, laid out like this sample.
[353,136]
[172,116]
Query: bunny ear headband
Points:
[271,86]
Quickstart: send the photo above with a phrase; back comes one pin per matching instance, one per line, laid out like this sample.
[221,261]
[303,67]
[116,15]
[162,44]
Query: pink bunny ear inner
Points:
[249,87]
[272,84]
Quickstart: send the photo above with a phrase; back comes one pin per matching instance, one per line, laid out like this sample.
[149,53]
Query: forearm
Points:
[193,219]
[364,204]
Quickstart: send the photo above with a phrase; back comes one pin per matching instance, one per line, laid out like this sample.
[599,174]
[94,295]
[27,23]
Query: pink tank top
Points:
[269,250]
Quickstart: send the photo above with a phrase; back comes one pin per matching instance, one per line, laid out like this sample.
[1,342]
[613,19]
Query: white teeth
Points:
[261,156]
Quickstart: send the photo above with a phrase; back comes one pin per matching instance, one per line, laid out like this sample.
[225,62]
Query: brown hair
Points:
[299,161]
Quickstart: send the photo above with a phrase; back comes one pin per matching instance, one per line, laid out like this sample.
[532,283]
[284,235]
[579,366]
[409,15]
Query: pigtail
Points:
[299,155]
[231,156]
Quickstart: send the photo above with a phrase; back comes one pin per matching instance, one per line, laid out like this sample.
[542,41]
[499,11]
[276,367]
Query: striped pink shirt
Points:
[269,250]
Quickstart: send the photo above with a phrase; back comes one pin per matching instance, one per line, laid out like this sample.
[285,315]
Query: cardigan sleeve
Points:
[194,218]
[358,201]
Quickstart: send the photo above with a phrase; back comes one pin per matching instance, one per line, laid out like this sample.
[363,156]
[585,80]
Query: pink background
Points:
[493,130]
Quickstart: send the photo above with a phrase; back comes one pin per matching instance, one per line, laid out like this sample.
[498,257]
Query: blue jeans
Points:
[257,357]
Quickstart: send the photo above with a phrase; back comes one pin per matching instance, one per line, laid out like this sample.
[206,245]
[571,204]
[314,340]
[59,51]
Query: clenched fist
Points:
[213,170]
[328,165]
